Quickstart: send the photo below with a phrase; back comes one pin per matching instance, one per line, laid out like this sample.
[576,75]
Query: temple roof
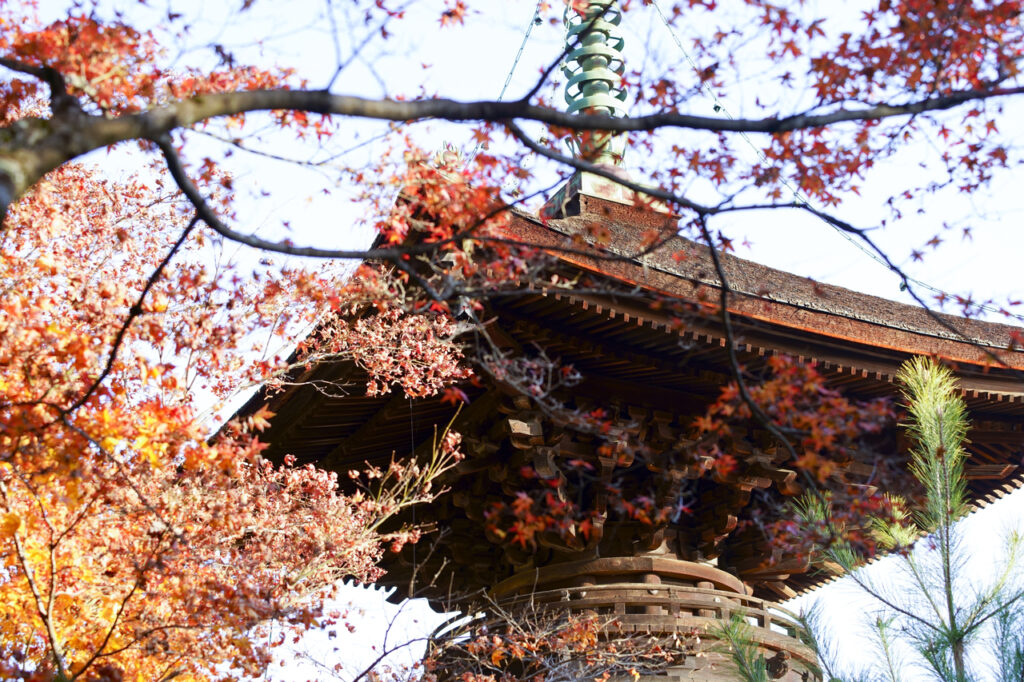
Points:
[680,267]
[639,361]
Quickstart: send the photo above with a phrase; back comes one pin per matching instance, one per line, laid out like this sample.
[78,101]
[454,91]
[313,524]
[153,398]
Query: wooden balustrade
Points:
[661,595]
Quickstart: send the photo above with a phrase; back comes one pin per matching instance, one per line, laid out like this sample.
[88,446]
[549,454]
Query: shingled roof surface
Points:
[680,266]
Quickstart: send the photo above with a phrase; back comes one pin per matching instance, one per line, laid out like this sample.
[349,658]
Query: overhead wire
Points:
[720,107]
[535,20]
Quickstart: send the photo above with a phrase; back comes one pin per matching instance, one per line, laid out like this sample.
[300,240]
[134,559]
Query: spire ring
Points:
[594,68]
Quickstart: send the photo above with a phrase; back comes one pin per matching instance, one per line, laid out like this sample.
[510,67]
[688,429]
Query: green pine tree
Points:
[936,620]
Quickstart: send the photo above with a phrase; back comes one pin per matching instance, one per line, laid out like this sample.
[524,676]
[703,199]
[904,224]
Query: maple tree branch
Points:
[210,217]
[121,607]
[204,211]
[665,195]
[52,592]
[908,285]
[170,671]
[79,516]
[60,100]
[183,113]
[705,211]
[119,465]
[442,535]
[238,144]
[33,147]
[133,312]
[55,647]
[734,363]
[416,277]
[357,51]
[396,256]
[603,171]
[730,345]
[142,635]
[36,497]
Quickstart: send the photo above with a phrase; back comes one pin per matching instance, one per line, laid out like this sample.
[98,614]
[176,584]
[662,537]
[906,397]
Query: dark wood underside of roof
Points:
[633,362]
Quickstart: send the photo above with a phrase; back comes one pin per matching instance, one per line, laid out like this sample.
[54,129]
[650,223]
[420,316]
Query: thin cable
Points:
[720,107]
[412,454]
[534,21]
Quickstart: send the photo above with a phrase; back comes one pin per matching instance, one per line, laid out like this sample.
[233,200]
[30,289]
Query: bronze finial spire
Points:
[594,67]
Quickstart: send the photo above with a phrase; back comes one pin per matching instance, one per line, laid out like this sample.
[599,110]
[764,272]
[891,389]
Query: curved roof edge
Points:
[682,268]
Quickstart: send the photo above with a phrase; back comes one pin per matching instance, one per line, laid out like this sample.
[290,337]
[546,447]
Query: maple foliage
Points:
[135,545]
[825,426]
[826,430]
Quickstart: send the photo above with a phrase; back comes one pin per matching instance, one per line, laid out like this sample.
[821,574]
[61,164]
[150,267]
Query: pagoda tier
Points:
[651,376]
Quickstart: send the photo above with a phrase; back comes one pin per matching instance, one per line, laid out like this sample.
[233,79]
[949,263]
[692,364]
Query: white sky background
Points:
[472,62]
[369,630]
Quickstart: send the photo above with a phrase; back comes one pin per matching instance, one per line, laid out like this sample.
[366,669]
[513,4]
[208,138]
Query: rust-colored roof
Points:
[680,268]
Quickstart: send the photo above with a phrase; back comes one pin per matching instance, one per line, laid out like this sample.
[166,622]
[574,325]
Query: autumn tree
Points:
[134,544]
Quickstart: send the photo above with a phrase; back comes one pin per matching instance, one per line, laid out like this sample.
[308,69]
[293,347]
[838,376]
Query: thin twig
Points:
[135,311]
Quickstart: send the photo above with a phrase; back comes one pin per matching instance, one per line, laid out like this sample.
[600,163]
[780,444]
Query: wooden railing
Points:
[660,596]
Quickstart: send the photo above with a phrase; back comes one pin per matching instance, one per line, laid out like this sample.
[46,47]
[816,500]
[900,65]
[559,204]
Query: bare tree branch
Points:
[33,147]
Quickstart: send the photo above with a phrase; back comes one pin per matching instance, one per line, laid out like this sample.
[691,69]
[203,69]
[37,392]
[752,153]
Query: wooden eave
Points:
[683,269]
[642,358]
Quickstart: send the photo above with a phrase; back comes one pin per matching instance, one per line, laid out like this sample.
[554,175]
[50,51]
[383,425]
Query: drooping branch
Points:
[32,147]
[54,79]
[730,345]
[210,217]
[135,311]
[705,211]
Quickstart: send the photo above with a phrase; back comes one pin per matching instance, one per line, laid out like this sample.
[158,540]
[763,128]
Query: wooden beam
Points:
[985,472]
